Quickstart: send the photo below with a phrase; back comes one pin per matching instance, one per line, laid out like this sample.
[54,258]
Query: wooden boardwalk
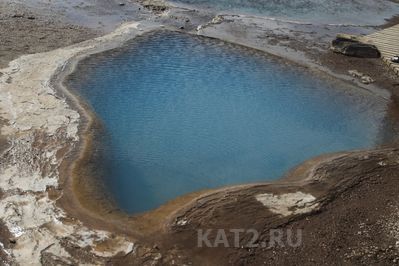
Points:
[387,42]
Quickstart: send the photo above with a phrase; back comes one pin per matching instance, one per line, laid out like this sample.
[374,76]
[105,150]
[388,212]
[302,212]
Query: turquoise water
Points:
[185,113]
[357,12]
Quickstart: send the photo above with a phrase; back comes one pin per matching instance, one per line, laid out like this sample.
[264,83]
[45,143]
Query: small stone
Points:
[12,240]
[157,256]
[382,163]
[121,4]
[18,15]
[355,73]
[217,20]
[366,79]
[182,222]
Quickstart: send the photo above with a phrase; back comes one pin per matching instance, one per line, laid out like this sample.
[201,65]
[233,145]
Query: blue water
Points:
[185,113]
[357,12]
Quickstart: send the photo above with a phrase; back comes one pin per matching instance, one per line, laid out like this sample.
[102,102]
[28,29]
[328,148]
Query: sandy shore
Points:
[43,131]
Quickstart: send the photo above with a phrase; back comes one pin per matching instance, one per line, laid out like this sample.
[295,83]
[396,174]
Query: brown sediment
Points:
[327,228]
[351,188]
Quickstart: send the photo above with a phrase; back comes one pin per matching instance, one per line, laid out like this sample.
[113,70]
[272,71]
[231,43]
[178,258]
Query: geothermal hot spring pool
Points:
[182,113]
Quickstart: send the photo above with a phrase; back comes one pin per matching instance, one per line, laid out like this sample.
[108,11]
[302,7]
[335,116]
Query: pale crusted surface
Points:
[40,124]
[289,203]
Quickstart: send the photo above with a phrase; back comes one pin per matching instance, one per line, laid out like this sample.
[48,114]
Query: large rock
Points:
[351,45]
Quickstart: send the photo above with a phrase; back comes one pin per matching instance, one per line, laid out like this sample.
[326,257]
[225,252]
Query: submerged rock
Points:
[352,46]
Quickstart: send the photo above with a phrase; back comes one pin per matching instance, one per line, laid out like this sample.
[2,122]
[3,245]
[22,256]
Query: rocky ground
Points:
[25,32]
[345,205]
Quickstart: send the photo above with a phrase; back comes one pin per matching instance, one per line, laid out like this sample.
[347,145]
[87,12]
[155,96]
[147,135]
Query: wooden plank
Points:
[388,55]
[384,35]
[387,45]
[387,42]
[388,33]
[383,48]
[393,40]
[387,38]
[388,52]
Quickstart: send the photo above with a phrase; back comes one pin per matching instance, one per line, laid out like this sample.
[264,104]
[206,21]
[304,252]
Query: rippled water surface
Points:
[184,113]
[358,12]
